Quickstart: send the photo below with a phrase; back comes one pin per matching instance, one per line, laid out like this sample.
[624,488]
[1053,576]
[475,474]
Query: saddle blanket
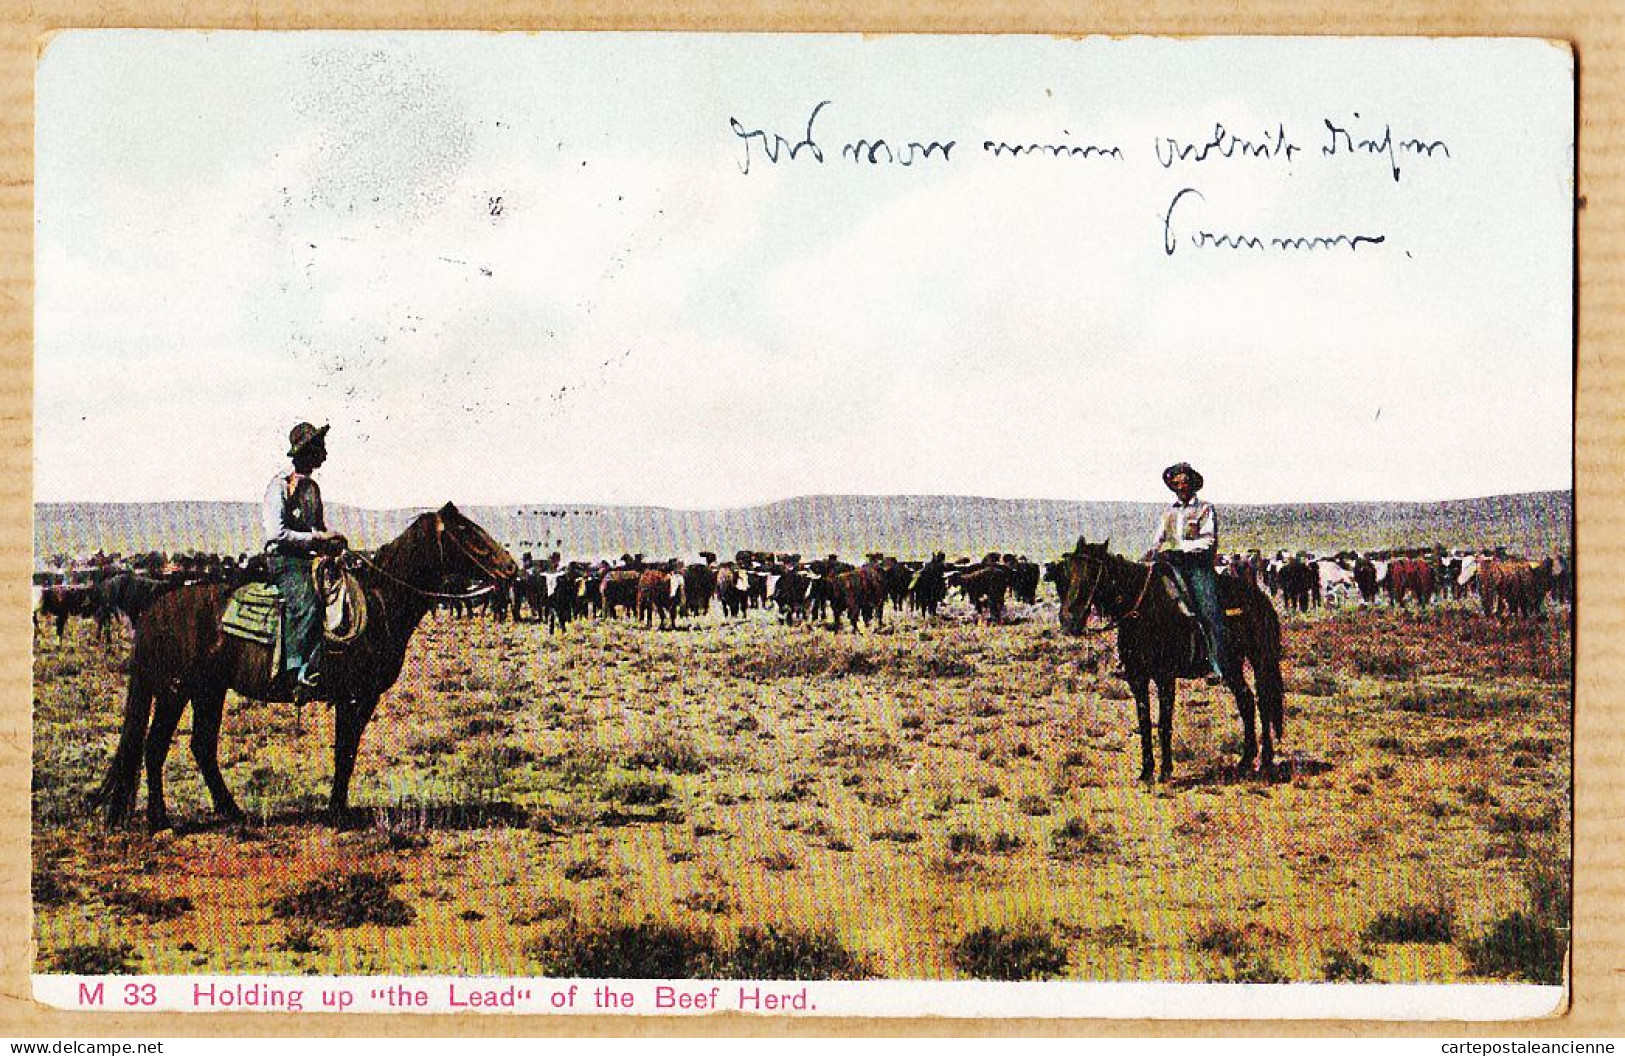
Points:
[254,613]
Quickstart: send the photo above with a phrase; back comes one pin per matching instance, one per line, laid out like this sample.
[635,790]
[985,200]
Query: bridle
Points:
[1133,610]
[440,534]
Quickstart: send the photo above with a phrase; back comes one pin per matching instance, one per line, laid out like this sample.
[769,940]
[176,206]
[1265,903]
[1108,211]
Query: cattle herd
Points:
[554,591]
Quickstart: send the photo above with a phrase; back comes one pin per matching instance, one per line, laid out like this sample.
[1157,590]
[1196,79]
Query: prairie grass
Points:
[944,800]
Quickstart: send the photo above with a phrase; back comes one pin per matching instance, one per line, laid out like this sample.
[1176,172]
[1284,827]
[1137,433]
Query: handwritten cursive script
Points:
[1342,141]
[1203,239]
[774,146]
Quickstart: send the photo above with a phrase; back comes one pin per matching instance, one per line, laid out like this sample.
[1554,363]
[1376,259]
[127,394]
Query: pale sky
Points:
[529,268]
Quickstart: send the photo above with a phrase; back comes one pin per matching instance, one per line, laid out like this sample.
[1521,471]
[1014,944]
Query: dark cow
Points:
[984,586]
[898,576]
[73,599]
[130,594]
[618,590]
[700,585]
[733,590]
[930,585]
[1299,581]
[789,593]
[859,592]
[1024,579]
[1365,579]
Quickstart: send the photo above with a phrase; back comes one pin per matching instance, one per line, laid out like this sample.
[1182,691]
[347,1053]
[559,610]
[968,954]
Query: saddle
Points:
[254,610]
[1195,663]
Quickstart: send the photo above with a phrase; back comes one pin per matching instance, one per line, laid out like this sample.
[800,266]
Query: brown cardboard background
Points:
[1596,30]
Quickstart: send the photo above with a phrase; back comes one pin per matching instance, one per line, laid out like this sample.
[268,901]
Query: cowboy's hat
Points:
[1176,469]
[304,435]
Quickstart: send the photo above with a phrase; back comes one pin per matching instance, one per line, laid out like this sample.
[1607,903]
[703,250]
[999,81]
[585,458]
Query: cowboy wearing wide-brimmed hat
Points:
[295,531]
[1187,540]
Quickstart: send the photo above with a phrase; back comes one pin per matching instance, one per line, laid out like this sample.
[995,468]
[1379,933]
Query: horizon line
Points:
[808,497]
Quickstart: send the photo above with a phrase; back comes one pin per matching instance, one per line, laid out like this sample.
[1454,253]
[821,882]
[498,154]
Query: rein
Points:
[1133,611]
[440,546]
[478,592]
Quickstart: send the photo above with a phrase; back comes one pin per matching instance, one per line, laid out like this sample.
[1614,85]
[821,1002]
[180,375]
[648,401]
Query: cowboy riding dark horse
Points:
[295,532]
[1186,541]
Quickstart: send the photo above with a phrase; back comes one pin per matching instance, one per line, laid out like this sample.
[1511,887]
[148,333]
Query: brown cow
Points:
[1513,588]
[660,592]
[859,592]
[1410,577]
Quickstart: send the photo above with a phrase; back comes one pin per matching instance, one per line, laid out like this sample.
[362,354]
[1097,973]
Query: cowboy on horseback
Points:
[1186,541]
[295,531]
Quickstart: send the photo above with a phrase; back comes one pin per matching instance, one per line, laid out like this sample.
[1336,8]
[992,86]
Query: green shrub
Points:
[1412,923]
[1009,954]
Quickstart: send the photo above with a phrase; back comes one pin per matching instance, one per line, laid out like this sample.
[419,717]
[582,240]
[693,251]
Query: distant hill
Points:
[910,525]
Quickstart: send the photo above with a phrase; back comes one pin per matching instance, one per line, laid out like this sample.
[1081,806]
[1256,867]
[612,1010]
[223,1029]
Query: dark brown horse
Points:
[180,656]
[1156,643]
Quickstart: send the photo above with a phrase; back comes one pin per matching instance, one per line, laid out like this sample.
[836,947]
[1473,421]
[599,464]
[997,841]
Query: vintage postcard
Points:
[817,525]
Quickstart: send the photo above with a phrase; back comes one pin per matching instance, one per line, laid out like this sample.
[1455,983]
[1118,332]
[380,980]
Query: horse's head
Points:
[468,550]
[1086,583]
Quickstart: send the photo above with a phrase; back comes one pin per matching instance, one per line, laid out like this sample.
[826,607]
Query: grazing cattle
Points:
[984,586]
[660,593]
[130,594]
[898,576]
[1562,577]
[1336,582]
[700,586]
[73,599]
[733,590]
[553,596]
[1300,584]
[818,588]
[758,587]
[1023,579]
[859,592]
[930,586]
[1055,572]
[618,590]
[1514,588]
[1410,577]
[1365,580]
[788,590]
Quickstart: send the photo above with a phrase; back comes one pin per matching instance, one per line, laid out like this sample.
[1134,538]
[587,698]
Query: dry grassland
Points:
[930,801]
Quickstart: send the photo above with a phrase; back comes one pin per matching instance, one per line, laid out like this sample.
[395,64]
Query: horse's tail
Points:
[1267,666]
[116,794]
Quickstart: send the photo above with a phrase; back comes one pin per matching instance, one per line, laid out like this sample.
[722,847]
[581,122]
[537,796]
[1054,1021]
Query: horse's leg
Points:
[1165,724]
[208,707]
[1247,708]
[166,715]
[1141,688]
[350,718]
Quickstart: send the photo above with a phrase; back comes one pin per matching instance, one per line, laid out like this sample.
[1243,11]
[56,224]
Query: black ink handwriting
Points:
[1226,144]
[1343,141]
[1055,150]
[879,152]
[775,145]
[1203,239]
